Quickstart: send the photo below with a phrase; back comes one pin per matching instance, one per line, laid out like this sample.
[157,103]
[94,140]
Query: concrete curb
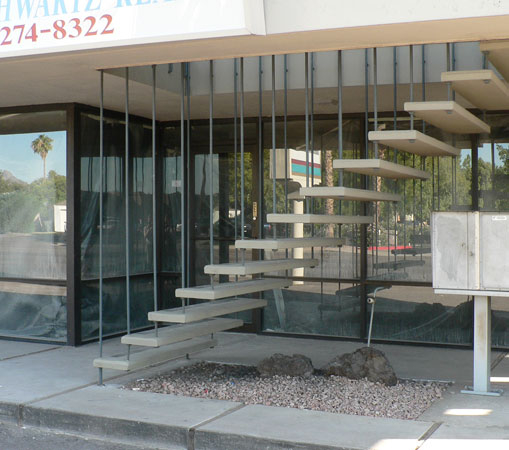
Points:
[121,430]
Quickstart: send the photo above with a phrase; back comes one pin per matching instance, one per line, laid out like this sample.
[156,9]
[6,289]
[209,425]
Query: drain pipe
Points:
[372,301]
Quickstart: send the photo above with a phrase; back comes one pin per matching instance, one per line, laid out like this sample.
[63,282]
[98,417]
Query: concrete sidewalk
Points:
[55,388]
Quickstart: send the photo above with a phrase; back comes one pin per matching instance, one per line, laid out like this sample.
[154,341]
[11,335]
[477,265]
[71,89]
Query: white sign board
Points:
[29,27]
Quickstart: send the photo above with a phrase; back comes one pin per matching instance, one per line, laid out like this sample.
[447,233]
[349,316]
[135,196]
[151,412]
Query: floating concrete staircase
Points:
[197,322]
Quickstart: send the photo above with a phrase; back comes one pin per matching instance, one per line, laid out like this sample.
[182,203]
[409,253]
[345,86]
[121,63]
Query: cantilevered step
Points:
[179,333]
[225,290]
[153,356]
[343,193]
[448,116]
[286,243]
[482,88]
[380,168]
[254,267]
[413,141]
[498,55]
[317,218]
[202,311]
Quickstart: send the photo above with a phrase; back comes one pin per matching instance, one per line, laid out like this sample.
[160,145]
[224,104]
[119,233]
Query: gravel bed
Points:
[406,400]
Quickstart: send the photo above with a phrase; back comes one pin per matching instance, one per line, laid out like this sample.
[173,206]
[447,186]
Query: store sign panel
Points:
[45,26]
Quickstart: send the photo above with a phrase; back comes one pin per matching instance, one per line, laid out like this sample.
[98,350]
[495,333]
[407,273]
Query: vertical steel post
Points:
[285,133]
[306,93]
[188,173]
[182,169]
[260,149]
[154,211]
[375,97]
[411,48]
[448,68]
[211,161]
[235,148]
[242,178]
[127,252]
[274,199]
[340,115]
[101,217]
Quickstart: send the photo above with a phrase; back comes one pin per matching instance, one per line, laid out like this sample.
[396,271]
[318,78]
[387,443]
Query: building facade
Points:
[160,149]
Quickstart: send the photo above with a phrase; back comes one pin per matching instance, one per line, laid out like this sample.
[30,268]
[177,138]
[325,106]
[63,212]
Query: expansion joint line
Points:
[191,431]
[427,434]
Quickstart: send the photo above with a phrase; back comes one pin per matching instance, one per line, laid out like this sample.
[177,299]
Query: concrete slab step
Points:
[150,357]
[255,267]
[413,141]
[380,168]
[202,311]
[483,88]
[344,193]
[179,333]
[286,243]
[448,116]
[226,290]
[318,219]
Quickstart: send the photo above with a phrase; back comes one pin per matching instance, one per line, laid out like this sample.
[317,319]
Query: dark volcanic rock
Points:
[365,362]
[279,364]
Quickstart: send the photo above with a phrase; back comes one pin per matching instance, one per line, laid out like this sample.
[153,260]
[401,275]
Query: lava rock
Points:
[279,364]
[365,362]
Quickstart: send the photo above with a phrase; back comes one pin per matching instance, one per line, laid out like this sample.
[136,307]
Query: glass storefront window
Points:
[33,225]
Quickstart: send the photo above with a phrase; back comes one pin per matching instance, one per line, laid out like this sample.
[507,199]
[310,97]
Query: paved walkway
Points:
[55,387]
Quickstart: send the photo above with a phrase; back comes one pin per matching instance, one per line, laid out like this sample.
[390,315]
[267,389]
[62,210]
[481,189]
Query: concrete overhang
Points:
[72,76]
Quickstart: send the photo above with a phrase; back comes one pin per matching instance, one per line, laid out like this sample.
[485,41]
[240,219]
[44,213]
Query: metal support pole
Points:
[285,133]
[242,216]
[101,219]
[482,347]
[274,199]
[375,98]
[182,169]
[340,116]
[306,93]
[154,206]
[235,148]
[188,172]
[211,161]
[127,253]
[411,84]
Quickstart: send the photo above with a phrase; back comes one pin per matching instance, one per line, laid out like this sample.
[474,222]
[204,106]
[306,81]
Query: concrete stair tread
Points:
[448,116]
[202,311]
[150,357]
[413,141]
[286,243]
[380,168]
[225,290]
[256,267]
[344,193]
[318,219]
[482,88]
[179,333]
